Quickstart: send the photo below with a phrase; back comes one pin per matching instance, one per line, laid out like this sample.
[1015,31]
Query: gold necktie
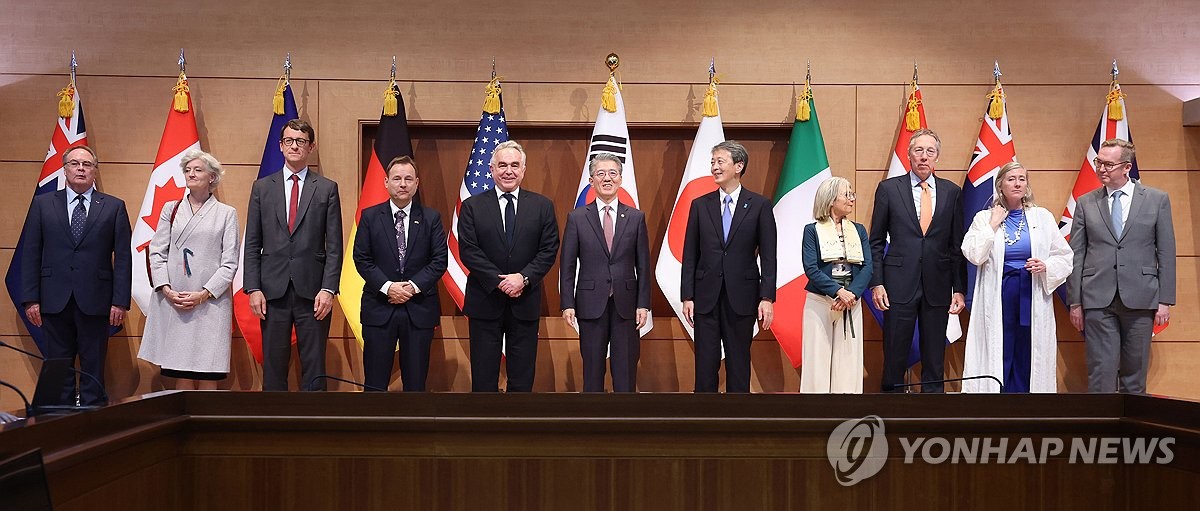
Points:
[926,207]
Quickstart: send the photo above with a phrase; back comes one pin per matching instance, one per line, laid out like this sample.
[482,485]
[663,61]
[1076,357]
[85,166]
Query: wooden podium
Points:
[234,451]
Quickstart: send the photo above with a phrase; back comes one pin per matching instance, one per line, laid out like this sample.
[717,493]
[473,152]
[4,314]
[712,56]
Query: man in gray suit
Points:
[1123,282]
[293,260]
[609,300]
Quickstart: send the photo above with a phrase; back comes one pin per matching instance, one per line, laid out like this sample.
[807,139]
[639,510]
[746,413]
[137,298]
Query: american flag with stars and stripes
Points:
[493,130]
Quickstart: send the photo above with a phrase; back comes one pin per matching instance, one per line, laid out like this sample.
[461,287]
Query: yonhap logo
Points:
[857,449]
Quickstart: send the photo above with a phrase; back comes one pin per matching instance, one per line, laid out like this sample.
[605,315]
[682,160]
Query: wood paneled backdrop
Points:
[1055,57]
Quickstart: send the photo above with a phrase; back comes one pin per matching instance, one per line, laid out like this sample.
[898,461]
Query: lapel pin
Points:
[418,222]
[622,215]
[746,206]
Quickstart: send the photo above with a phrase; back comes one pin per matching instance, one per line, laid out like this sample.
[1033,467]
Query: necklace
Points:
[1017,235]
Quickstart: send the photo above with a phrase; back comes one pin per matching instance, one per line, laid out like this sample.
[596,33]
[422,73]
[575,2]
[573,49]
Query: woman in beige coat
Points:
[193,256]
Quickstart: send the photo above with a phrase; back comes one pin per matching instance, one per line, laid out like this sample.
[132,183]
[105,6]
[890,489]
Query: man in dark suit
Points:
[76,271]
[923,277]
[507,240]
[610,298]
[1123,281]
[400,251]
[293,260]
[722,288]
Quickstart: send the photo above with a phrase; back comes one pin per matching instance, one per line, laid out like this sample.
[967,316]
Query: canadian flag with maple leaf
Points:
[166,184]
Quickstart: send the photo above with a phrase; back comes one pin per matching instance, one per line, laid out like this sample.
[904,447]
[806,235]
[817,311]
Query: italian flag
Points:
[804,168]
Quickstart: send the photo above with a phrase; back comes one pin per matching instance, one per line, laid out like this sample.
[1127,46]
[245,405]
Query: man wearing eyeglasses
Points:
[922,277]
[293,260]
[75,272]
[1123,282]
[609,299]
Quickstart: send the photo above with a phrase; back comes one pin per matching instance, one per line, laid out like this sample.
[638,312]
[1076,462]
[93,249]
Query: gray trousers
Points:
[1118,347]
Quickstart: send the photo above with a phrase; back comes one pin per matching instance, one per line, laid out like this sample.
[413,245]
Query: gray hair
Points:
[211,165]
[1027,200]
[737,151]
[827,192]
[925,132]
[508,144]
[605,156]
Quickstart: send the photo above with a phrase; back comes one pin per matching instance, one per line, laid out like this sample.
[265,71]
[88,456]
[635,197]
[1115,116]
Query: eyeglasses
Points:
[606,173]
[849,195]
[1107,165]
[921,151]
[299,142]
[83,164]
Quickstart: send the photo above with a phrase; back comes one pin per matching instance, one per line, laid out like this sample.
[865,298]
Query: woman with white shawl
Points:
[1022,258]
[837,262]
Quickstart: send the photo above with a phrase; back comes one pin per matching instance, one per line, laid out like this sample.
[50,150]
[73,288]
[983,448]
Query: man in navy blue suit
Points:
[728,276]
[75,275]
[400,251]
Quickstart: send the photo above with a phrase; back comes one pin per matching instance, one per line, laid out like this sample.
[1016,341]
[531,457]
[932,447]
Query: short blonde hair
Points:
[1127,149]
[211,165]
[827,192]
[1027,200]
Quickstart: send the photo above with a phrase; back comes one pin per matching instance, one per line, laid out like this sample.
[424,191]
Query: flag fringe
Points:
[66,101]
[277,101]
[996,107]
[491,99]
[1115,111]
[181,94]
[391,105]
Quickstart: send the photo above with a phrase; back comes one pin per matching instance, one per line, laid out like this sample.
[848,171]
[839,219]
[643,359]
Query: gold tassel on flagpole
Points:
[390,105]
[803,110]
[608,98]
[996,107]
[1115,112]
[66,101]
[277,101]
[181,94]
[912,117]
[491,99]
[710,98]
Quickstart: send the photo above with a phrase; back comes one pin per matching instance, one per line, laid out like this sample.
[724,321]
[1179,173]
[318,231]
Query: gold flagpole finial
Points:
[608,97]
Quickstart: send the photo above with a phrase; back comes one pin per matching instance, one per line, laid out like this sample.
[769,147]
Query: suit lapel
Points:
[416,224]
[59,214]
[622,220]
[523,216]
[904,186]
[276,190]
[593,219]
[98,204]
[1105,212]
[713,209]
[493,208]
[311,182]
[942,192]
[1135,205]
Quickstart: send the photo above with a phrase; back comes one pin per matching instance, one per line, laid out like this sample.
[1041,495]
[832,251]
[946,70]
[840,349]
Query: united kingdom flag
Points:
[492,130]
[993,149]
[69,131]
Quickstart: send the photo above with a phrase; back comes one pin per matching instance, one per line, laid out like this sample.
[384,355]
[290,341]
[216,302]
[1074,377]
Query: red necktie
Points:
[293,203]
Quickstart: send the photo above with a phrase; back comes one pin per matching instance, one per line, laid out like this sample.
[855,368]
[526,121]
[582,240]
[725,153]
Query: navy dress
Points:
[1016,292]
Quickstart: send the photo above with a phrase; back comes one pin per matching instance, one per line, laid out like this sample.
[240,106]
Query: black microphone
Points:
[343,380]
[894,386]
[28,406]
[85,374]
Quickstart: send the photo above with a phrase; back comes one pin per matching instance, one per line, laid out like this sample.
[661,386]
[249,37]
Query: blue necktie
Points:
[727,216]
[1117,212]
[78,218]
[510,217]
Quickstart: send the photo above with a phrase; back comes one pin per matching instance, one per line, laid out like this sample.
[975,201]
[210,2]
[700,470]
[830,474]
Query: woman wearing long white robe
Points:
[992,232]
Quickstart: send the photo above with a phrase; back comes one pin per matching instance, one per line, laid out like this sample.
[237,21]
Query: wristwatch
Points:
[526,280]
